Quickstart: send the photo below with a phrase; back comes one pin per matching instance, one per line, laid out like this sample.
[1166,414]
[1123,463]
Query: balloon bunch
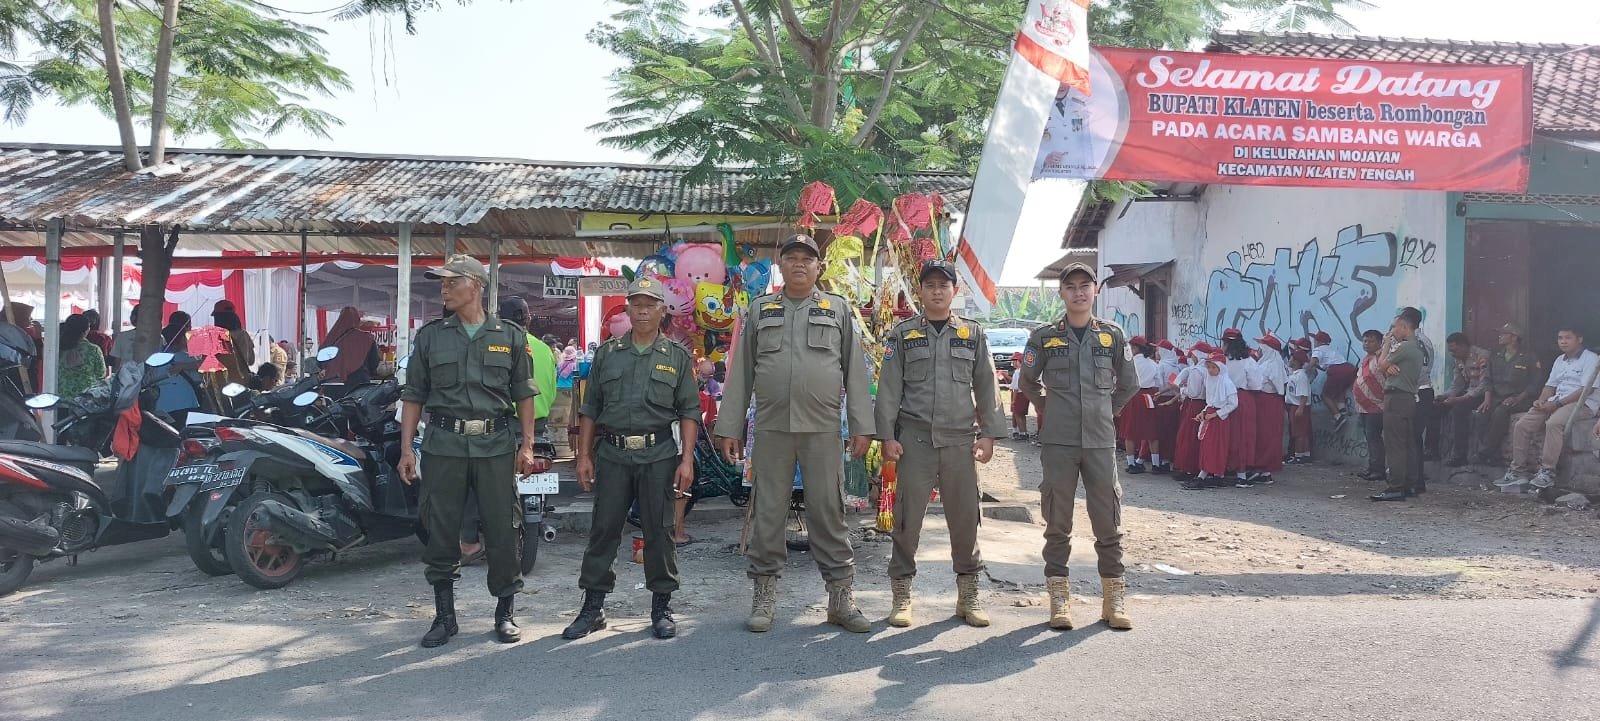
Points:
[706,286]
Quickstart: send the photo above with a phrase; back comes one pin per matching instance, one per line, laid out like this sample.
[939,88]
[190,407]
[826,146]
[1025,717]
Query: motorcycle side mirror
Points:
[405,362]
[159,360]
[42,401]
[234,390]
[327,354]
[305,399]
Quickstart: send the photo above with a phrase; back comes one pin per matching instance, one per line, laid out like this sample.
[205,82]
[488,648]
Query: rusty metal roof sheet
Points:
[274,191]
[1566,78]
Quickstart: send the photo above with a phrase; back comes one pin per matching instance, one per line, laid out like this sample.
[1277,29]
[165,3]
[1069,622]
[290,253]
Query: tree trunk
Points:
[159,87]
[119,88]
[155,266]
[825,78]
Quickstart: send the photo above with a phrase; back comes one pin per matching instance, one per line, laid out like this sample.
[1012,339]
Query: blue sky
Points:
[518,79]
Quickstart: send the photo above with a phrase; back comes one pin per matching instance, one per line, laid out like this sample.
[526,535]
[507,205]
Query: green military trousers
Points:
[446,480]
[821,460]
[616,486]
[1064,467]
[954,472]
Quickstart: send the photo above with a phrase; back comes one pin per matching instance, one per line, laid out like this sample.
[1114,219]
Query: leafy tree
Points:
[232,68]
[845,89]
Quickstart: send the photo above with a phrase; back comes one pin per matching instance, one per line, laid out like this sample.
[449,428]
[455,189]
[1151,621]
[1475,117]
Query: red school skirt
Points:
[1168,418]
[1269,432]
[1186,447]
[1340,378]
[1242,435]
[1216,441]
[1138,422]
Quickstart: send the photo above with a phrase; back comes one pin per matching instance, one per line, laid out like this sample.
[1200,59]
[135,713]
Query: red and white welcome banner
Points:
[1259,120]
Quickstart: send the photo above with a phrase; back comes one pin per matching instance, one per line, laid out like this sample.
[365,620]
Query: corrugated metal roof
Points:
[357,195]
[1566,78]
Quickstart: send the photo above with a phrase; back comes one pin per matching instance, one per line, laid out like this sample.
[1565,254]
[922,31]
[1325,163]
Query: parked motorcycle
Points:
[197,475]
[50,503]
[17,421]
[297,495]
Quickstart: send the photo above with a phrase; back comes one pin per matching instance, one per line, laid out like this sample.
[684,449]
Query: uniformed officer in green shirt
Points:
[937,380]
[639,385]
[798,350]
[1084,367]
[1514,384]
[470,372]
[1401,362]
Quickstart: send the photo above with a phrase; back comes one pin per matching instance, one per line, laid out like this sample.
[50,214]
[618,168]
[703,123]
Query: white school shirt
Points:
[1245,374]
[1299,386]
[1567,376]
[1192,382]
[1327,356]
[1274,374]
[1221,394]
[1149,373]
[1168,364]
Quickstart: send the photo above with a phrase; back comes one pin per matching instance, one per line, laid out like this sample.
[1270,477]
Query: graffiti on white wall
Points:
[1130,322]
[1344,289]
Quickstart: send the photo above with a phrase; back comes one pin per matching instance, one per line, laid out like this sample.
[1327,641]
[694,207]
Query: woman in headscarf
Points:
[178,390]
[83,364]
[240,355]
[358,350]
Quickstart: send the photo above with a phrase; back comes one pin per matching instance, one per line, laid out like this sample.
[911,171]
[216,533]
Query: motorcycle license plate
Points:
[190,474]
[224,479]
[539,484]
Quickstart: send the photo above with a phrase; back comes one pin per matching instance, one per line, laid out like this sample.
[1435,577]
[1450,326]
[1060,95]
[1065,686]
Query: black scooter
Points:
[50,504]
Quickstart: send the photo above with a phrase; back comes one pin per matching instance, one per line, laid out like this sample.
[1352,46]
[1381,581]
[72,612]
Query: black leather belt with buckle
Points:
[469,428]
[637,443]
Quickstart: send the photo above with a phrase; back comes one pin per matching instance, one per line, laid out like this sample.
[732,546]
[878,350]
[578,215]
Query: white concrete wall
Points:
[1288,260]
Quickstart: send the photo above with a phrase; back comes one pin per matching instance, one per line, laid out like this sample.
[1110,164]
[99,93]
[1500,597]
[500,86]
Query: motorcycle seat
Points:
[71,455]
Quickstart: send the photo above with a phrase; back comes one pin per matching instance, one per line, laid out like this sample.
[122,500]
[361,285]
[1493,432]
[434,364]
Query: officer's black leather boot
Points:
[661,621]
[592,618]
[444,615]
[505,627]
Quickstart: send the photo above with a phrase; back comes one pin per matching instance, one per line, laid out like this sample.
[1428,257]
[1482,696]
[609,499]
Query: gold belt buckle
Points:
[633,443]
[474,428]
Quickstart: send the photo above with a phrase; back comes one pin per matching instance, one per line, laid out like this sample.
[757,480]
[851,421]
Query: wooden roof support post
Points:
[402,311]
[53,230]
[494,275]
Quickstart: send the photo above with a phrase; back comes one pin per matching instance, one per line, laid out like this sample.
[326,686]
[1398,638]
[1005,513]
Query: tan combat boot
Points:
[1113,603]
[968,606]
[900,617]
[764,604]
[842,611]
[1060,602]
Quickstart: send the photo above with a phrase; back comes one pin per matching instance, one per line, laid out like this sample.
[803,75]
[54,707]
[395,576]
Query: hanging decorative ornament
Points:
[862,219]
[817,198]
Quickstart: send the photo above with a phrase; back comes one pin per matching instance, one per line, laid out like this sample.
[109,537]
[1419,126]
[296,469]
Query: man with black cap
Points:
[470,372]
[640,384]
[1084,368]
[937,379]
[798,350]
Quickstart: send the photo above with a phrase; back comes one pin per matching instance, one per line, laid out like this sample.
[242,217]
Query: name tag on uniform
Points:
[963,343]
[917,342]
[1102,351]
[499,349]
[1058,351]
[828,312]
[667,368]
[772,310]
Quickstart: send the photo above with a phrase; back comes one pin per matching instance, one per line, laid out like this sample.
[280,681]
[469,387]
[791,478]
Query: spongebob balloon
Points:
[715,307]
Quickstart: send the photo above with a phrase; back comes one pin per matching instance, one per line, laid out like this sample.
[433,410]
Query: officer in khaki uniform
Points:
[1514,384]
[797,350]
[1085,368]
[470,372]
[937,380]
[639,385]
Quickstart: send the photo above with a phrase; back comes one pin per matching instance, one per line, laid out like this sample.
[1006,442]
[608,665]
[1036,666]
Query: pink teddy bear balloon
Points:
[700,263]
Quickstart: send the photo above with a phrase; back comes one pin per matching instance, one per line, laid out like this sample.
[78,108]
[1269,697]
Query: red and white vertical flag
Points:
[1052,49]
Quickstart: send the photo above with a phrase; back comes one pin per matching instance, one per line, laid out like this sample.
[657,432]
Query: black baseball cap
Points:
[938,266]
[800,241]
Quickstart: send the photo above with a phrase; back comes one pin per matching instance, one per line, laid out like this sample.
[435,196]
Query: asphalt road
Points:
[1368,658]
